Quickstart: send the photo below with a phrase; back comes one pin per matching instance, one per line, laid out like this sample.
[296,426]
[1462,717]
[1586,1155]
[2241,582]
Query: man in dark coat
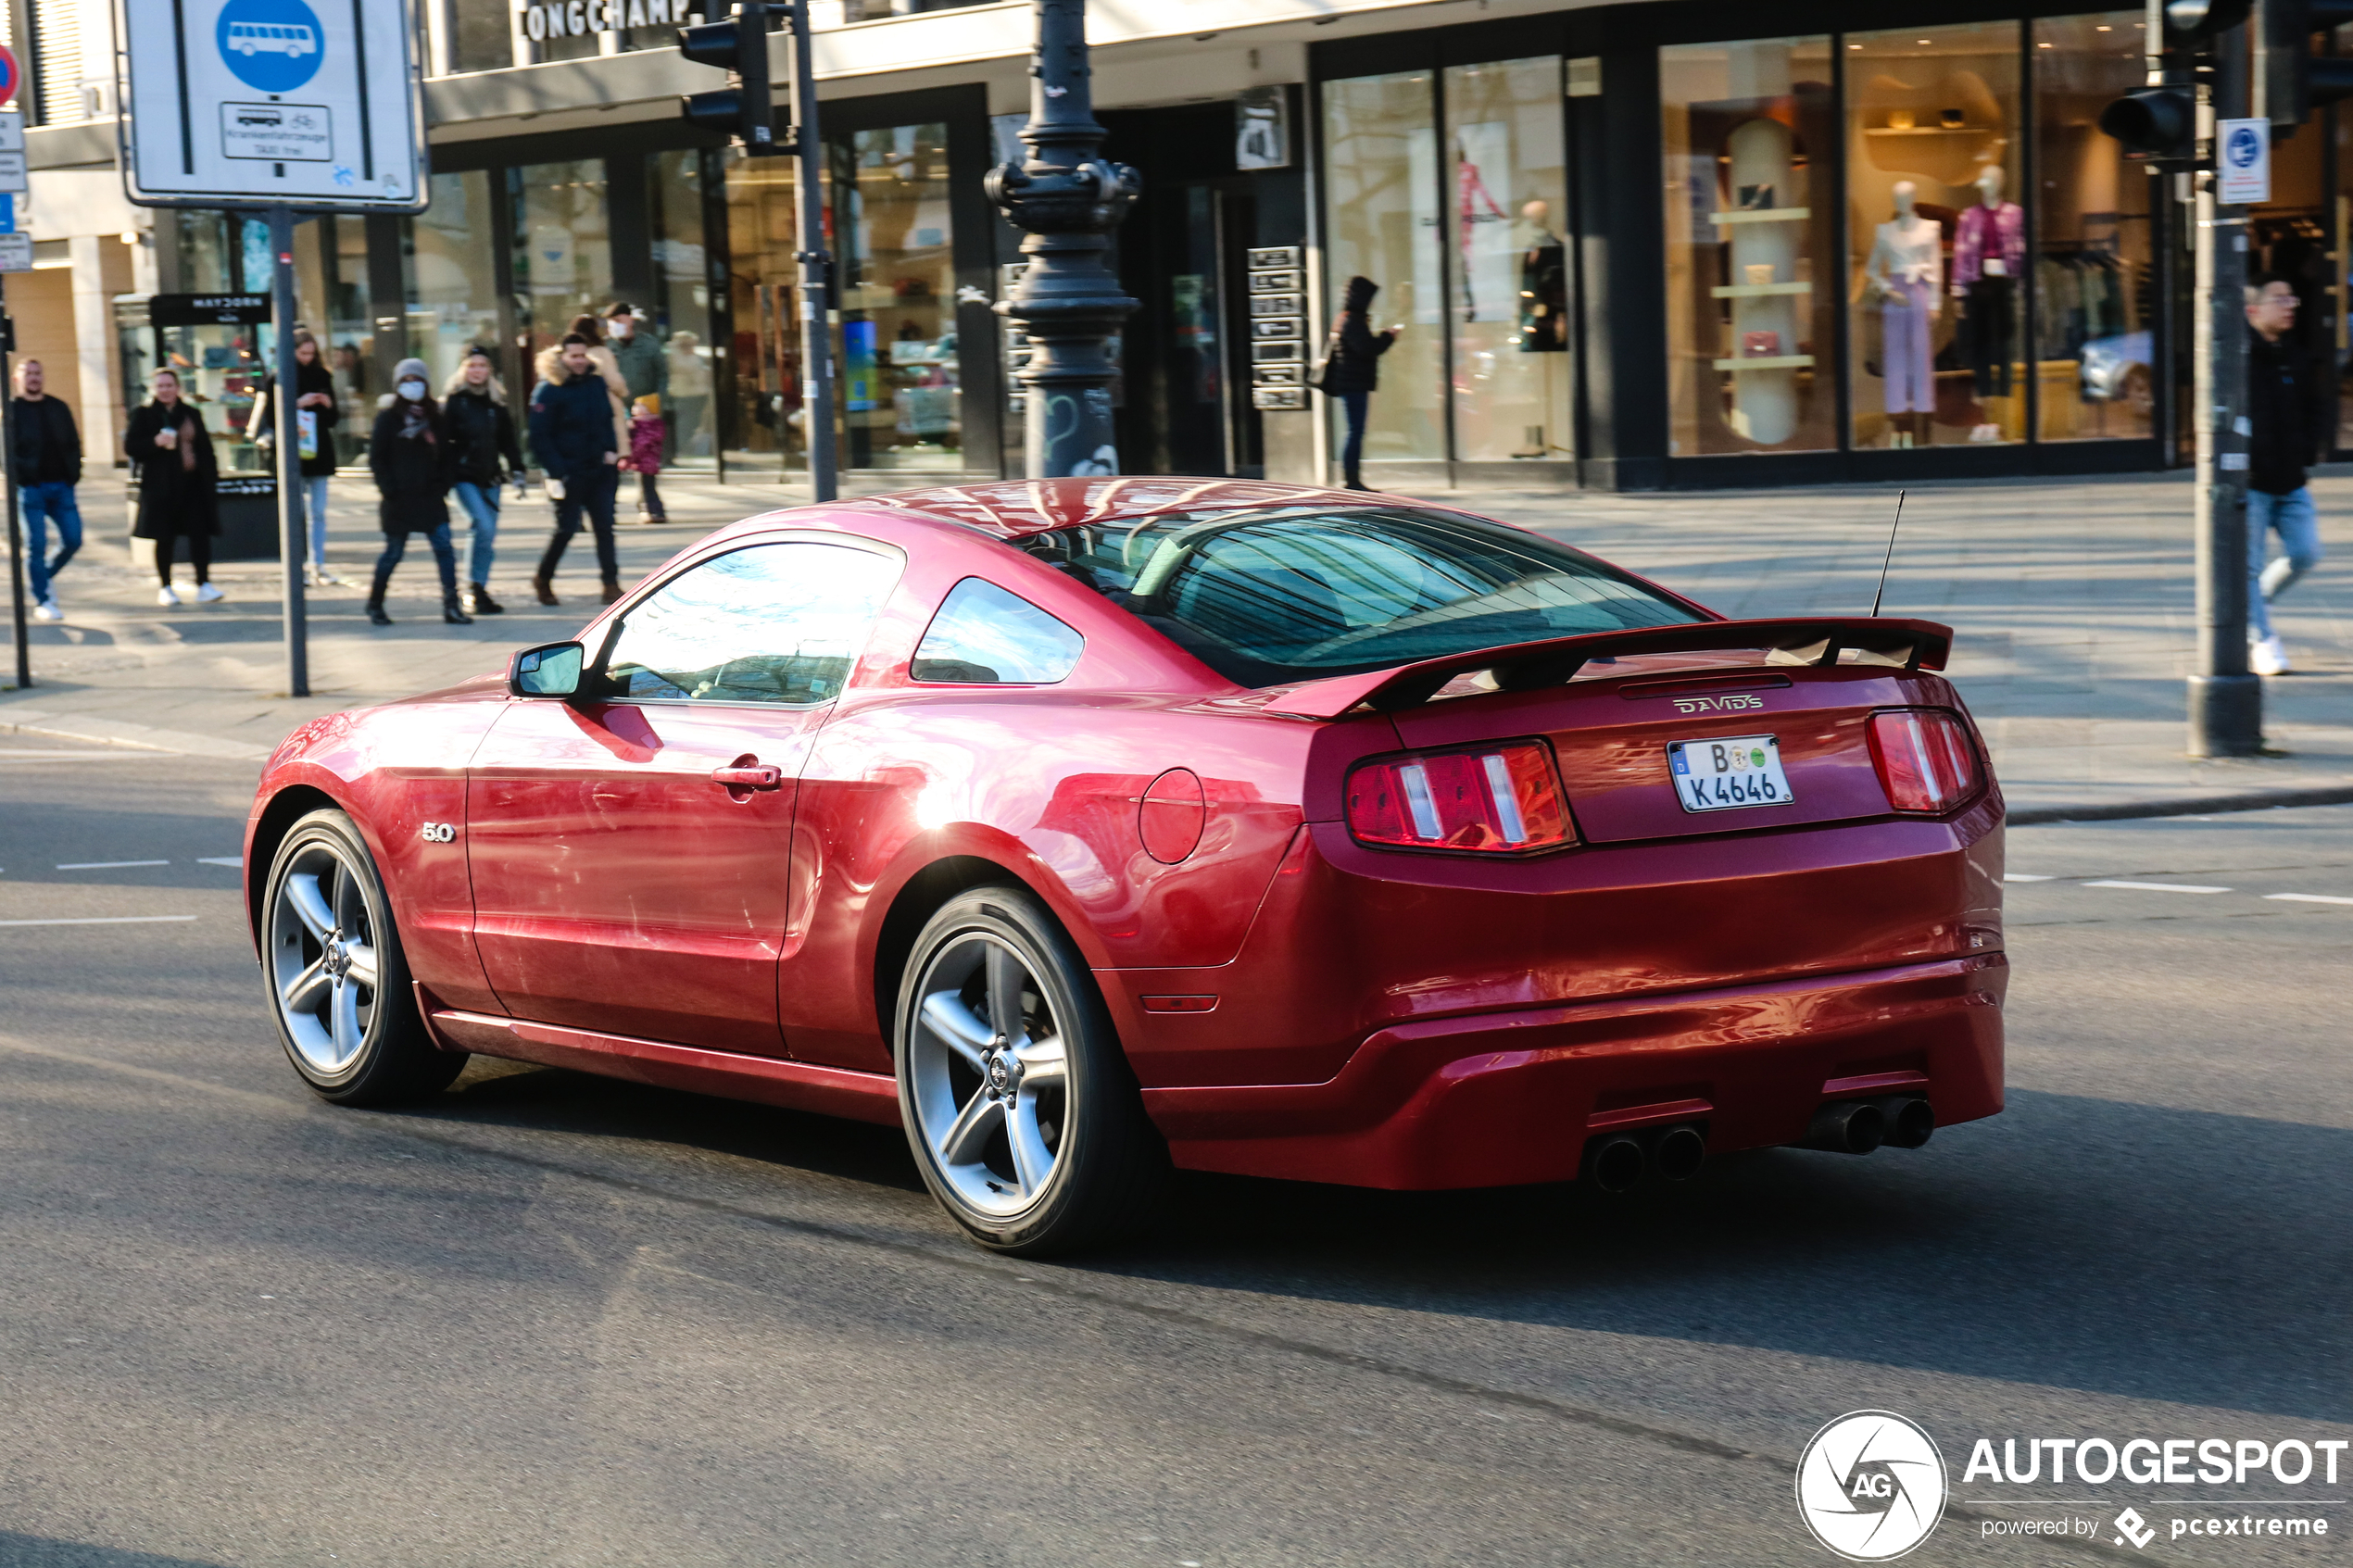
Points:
[45,462]
[2288,423]
[410,455]
[1351,369]
[571,435]
[179,478]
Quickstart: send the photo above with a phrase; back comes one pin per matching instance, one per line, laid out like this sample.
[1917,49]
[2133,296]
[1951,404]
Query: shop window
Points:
[1749,215]
[760,395]
[2287,238]
[896,279]
[1383,222]
[2095,284]
[681,307]
[1938,330]
[563,247]
[482,33]
[1509,298]
[452,278]
[350,330]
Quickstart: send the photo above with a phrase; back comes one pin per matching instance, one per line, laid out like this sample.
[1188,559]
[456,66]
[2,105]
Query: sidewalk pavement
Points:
[2071,601]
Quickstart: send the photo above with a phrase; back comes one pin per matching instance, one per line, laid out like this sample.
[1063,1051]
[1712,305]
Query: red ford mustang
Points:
[1087,828]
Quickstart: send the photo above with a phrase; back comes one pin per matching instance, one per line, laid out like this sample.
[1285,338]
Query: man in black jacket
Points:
[45,462]
[2287,425]
[572,435]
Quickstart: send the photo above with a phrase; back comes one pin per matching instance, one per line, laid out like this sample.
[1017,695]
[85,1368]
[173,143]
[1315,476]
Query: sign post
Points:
[285,105]
[15,255]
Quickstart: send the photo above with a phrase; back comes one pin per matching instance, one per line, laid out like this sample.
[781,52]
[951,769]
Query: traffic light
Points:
[746,109]
[2159,123]
[2294,81]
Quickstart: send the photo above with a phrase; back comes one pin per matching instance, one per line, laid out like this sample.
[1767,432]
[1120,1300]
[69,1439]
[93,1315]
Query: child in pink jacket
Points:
[646,436]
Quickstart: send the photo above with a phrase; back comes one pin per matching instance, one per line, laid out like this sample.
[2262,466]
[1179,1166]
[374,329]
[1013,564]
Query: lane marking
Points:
[103,920]
[2022,876]
[105,865]
[2159,886]
[236,862]
[2307,898]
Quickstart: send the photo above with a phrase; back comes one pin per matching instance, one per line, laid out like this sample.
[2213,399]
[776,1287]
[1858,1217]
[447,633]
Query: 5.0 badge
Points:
[438,832]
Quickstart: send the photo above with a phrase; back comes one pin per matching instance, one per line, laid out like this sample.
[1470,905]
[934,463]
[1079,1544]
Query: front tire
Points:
[339,986]
[1019,1104]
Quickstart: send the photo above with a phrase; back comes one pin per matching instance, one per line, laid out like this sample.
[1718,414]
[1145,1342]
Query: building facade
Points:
[1625,247]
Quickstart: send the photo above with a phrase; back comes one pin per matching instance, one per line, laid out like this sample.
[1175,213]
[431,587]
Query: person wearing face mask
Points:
[179,478]
[573,439]
[482,439]
[645,374]
[411,457]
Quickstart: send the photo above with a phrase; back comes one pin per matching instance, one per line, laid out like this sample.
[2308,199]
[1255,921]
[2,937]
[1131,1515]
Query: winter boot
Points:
[612,590]
[376,596]
[452,613]
[479,601]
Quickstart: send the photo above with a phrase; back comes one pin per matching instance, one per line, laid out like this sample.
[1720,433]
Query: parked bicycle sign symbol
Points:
[270,45]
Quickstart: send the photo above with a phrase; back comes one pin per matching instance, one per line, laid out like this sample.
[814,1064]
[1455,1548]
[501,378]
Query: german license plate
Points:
[1728,772]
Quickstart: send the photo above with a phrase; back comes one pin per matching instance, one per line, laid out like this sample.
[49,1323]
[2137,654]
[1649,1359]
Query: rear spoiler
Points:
[1909,644]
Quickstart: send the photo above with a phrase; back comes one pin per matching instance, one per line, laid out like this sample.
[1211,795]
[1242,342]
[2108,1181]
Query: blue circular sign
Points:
[270,45]
[2245,147]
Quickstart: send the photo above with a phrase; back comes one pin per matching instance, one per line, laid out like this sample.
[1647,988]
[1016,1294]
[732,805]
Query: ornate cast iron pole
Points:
[1068,302]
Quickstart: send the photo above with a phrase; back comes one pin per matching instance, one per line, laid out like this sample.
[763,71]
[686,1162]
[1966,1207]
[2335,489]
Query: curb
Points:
[2129,810]
[123,732]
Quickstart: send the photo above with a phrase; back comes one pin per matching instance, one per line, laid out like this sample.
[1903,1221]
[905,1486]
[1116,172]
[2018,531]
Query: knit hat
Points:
[406,370]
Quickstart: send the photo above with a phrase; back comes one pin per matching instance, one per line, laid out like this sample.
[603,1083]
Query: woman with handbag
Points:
[171,452]
[314,396]
[1351,370]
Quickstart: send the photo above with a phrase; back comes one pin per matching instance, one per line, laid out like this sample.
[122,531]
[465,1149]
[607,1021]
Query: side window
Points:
[984,635]
[775,623]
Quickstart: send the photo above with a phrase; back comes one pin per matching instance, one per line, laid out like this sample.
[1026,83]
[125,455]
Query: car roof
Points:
[1016,509]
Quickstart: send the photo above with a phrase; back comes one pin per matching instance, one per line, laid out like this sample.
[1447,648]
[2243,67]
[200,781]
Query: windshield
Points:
[1293,594]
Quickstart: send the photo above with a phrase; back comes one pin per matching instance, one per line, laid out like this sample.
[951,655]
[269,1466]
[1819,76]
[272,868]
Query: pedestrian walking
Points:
[2289,423]
[572,436]
[646,439]
[179,480]
[689,394]
[316,414]
[608,366]
[45,463]
[409,453]
[1351,369]
[482,453]
[644,373]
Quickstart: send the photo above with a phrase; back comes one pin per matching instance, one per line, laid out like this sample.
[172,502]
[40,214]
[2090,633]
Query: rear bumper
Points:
[1498,1099]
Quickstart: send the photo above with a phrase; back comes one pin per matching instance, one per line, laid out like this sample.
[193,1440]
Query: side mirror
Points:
[552,670]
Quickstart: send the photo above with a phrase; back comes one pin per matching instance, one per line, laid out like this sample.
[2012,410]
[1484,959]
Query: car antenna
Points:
[1883,565]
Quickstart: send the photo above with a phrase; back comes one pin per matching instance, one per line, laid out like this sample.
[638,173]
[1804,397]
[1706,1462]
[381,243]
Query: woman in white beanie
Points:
[412,460]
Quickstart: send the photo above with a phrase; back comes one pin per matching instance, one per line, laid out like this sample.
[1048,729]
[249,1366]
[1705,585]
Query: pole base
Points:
[2226,715]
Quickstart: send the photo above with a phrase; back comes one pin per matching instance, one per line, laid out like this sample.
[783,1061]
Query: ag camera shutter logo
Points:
[1872,1485]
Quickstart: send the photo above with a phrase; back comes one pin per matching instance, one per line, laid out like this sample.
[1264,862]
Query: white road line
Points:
[2307,898]
[2022,876]
[103,920]
[105,865]
[234,862]
[2159,886]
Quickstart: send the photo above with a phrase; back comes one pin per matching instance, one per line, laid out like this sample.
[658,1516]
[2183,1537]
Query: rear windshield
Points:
[1297,594]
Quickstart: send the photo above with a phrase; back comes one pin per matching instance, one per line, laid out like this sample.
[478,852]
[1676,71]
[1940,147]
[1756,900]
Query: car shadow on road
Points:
[42,1551]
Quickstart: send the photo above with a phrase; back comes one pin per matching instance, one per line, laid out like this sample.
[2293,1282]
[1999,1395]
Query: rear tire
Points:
[339,986]
[1019,1104]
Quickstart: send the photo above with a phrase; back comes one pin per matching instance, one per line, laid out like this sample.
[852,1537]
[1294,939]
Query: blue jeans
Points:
[314,506]
[2299,531]
[1352,451]
[481,505]
[42,502]
[444,556]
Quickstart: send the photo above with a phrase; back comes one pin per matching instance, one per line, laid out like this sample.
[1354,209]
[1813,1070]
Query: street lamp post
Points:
[1068,302]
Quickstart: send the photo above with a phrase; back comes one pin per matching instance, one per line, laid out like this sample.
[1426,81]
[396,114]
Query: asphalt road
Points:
[554,1320]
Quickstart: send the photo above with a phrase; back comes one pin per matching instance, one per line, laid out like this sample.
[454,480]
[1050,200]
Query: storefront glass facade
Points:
[1381,208]
[893,249]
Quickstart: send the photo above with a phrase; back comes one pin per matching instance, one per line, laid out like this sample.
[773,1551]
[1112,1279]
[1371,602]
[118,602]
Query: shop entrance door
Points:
[1186,351]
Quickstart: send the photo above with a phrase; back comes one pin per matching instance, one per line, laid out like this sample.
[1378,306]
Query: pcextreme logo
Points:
[1872,1485]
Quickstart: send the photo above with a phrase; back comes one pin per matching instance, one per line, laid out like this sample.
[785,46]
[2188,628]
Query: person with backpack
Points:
[482,453]
[411,454]
[1351,369]
[45,463]
[573,437]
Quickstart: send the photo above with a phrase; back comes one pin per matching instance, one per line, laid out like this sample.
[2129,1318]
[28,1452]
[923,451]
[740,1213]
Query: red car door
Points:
[629,851]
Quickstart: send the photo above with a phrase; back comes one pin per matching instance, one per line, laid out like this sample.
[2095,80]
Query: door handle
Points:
[748,777]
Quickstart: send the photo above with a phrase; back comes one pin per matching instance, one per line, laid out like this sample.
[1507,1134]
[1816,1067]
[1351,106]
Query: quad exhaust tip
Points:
[1858,1126]
[1618,1163]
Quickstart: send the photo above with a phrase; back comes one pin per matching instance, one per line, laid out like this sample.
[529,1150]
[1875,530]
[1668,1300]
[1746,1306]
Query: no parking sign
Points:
[9,76]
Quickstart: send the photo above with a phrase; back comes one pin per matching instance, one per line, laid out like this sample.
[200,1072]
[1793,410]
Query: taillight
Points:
[1926,760]
[1499,798]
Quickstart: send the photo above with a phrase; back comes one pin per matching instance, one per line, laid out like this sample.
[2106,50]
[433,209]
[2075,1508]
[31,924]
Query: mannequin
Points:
[1989,256]
[1907,267]
[1543,282]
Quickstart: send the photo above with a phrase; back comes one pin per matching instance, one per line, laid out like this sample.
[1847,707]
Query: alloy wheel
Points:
[323,964]
[989,1074]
